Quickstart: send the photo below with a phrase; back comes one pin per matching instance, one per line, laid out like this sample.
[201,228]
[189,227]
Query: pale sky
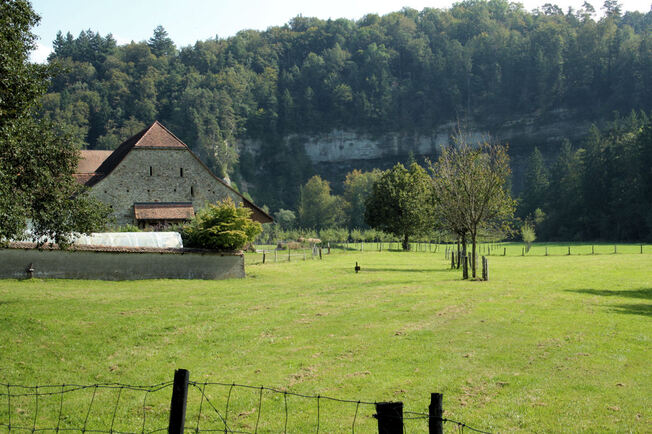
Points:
[188,21]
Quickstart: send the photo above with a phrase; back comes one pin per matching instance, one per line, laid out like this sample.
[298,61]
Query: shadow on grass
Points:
[635,309]
[644,293]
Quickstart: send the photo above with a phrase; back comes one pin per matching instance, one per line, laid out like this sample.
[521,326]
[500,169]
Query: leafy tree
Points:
[335,235]
[527,234]
[401,203]
[318,209]
[473,182]
[285,218]
[357,235]
[358,186]
[221,227]
[37,160]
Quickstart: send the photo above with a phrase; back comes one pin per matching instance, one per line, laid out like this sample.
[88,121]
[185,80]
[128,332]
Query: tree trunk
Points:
[464,245]
[473,264]
[406,243]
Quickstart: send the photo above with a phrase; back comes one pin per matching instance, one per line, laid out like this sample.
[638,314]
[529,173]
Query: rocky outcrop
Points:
[337,152]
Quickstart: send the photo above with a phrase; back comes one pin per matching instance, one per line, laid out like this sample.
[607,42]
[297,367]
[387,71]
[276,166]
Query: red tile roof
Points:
[89,161]
[164,211]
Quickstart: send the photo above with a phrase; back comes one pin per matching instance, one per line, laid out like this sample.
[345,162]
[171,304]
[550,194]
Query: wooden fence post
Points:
[593,250]
[546,250]
[263,257]
[504,251]
[320,253]
[641,249]
[452,260]
[568,250]
[435,413]
[615,250]
[465,267]
[485,268]
[390,417]
[289,253]
[178,402]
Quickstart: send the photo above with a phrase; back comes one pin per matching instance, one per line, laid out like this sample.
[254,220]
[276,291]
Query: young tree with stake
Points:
[470,187]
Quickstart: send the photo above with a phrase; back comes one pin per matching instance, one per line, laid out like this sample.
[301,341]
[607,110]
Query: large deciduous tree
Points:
[318,209]
[358,186]
[36,160]
[470,183]
[401,203]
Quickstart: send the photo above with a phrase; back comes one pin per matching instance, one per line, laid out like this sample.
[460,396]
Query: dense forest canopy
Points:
[406,71]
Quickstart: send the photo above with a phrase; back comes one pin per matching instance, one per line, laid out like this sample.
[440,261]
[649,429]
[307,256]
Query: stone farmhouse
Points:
[154,179]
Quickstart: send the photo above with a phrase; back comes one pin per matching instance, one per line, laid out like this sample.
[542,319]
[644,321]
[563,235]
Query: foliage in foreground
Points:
[37,160]
[221,227]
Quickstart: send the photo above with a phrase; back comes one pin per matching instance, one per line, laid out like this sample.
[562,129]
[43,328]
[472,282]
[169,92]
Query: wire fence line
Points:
[35,399]
[213,407]
[269,253]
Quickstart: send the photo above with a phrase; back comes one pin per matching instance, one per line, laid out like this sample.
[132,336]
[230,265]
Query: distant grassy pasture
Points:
[549,344]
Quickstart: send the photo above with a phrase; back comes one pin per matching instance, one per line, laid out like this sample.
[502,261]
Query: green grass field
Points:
[549,344]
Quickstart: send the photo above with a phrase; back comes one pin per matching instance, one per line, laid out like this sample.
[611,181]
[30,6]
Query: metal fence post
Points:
[435,413]
[390,417]
[178,403]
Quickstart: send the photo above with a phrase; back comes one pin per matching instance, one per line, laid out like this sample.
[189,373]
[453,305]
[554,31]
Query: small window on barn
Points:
[150,170]
[181,172]
[192,191]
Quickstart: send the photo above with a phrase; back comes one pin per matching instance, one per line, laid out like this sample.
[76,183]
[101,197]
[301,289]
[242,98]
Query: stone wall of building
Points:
[159,175]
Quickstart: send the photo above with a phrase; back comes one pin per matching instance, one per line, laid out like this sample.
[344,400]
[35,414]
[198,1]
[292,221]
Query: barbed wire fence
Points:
[113,408]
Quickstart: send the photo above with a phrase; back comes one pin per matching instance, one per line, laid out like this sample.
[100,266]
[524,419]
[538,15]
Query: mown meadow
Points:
[550,343]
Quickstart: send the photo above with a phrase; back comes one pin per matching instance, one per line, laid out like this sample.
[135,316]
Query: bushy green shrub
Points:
[357,235]
[528,235]
[221,227]
[370,235]
[334,235]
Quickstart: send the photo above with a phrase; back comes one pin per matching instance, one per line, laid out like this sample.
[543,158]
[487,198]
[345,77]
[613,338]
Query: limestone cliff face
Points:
[337,152]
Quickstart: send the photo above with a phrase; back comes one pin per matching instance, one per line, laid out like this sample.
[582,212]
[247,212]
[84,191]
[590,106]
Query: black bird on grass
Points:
[357,267]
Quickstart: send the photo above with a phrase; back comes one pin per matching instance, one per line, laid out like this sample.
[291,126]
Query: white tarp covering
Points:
[132,239]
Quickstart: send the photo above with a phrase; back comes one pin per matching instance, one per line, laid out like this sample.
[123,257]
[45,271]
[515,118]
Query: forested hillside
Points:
[406,71]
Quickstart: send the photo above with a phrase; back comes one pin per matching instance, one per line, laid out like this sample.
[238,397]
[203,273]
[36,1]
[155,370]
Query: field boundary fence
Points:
[489,249]
[151,416]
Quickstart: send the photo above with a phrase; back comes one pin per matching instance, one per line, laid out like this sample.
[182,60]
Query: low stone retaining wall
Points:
[111,263]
